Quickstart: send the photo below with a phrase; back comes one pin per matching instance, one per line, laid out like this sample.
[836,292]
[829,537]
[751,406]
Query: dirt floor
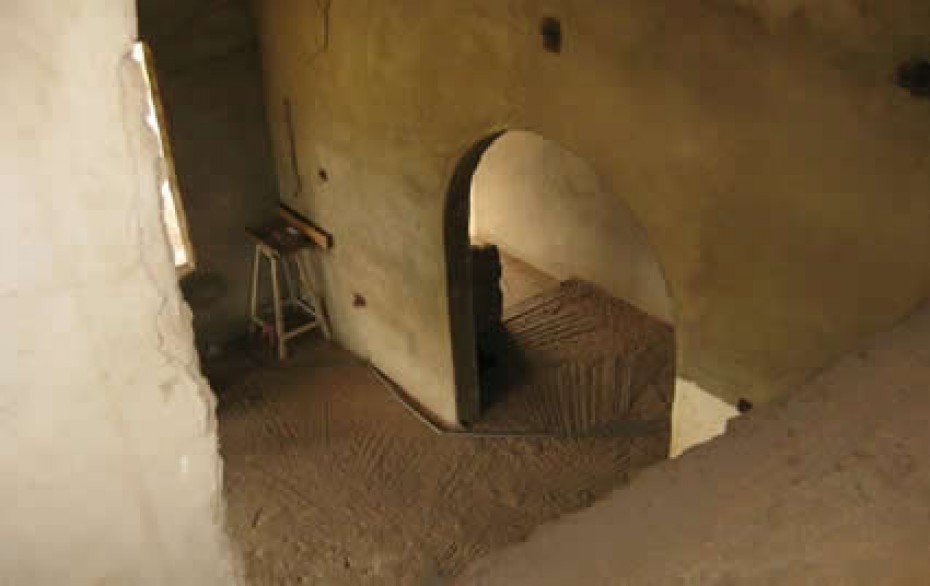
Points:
[830,485]
[520,280]
[571,360]
[574,361]
[330,480]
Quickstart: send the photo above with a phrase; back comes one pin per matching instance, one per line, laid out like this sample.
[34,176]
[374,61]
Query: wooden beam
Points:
[319,237]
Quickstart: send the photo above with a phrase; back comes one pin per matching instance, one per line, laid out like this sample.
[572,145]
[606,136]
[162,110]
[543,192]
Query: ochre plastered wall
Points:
[209,71]
[110,472]
[539,202]
[775,167]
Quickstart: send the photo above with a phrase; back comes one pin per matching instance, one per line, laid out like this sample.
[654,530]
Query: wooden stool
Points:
[283,246]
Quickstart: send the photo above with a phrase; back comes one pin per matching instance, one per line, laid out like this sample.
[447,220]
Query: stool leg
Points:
[278,311]
[293,294]
[253,295]
[304,274]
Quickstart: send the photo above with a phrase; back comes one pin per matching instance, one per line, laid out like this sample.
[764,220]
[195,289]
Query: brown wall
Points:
[775,167]
[209,69]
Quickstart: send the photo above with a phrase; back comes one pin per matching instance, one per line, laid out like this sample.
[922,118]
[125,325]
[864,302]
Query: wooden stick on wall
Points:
[319,237]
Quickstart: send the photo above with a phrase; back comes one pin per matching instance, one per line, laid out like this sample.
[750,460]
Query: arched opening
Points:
[560,316]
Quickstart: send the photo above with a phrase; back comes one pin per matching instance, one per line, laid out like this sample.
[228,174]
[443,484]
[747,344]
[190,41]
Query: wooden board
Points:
[319,237]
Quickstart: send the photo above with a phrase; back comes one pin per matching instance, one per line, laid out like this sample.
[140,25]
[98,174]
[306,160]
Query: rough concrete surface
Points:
[764,147]
[110,472]
[330,480]
[830,486]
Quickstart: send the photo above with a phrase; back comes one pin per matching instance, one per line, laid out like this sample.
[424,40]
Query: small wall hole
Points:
[744,406]
[551,30]
[914,76]
[323,175]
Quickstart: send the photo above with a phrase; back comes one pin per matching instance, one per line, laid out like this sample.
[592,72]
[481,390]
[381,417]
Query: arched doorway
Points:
[543,209]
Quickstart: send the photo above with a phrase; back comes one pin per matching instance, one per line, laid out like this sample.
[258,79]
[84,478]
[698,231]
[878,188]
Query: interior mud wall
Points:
[209,70]
[776,168]
[109,453]
[544,205]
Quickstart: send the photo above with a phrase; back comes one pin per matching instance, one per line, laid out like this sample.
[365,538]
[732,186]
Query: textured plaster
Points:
[777,170]
[109,458]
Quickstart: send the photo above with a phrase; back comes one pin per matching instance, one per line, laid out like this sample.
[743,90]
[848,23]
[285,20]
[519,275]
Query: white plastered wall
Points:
[697,417]
[545,205]
[111,473]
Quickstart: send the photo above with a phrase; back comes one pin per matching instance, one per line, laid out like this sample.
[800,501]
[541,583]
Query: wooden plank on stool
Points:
[319,237]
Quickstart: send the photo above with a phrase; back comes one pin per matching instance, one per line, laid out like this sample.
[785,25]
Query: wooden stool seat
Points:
[279,237]
[284,246]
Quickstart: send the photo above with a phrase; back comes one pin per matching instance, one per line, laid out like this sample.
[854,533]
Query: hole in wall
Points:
[914,76]
[551,30]
[323,175]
